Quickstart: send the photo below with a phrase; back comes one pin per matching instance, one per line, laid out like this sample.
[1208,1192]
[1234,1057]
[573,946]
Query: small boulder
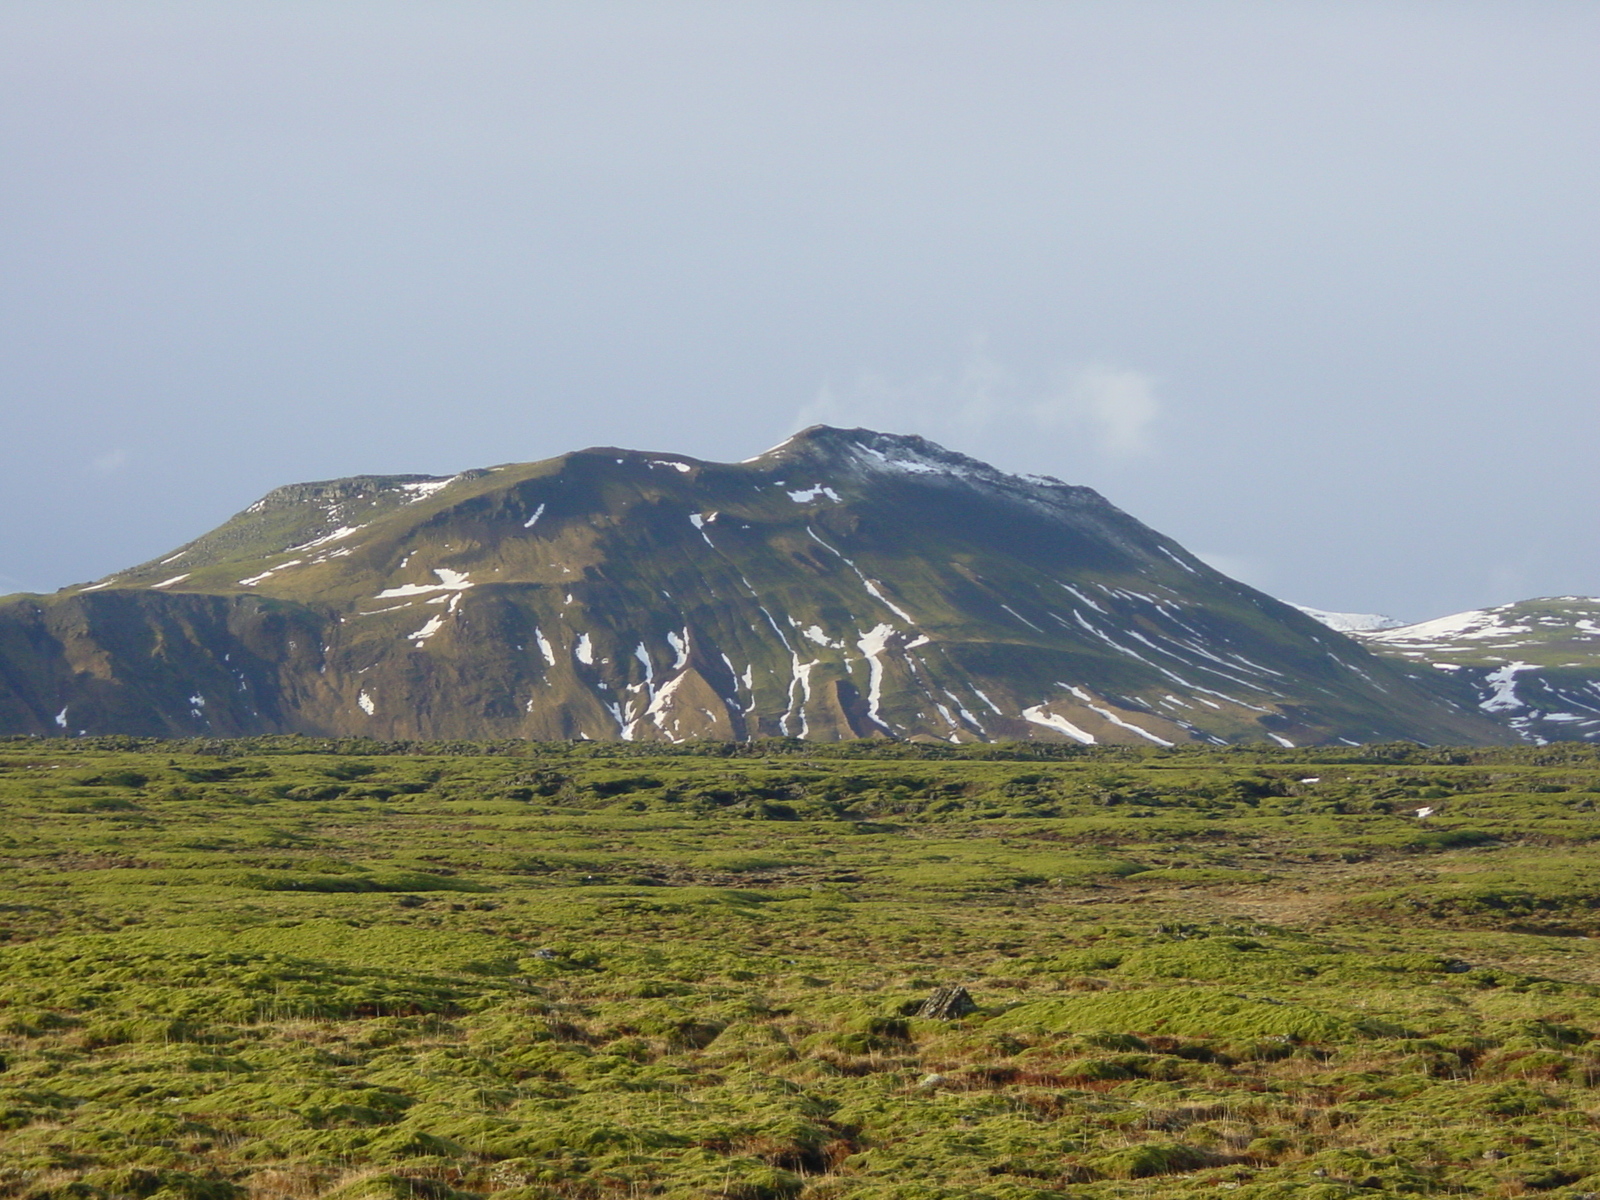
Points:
[947,1004]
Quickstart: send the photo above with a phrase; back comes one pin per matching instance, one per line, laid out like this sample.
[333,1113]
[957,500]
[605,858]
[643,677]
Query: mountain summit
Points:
[843,584]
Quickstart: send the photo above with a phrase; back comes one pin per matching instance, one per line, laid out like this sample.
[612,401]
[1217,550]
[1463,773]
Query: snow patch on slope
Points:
[544,647]
[1088,702]
[434,624]
[269,572]
[339,534]
[449,581]
[680,648]
[421,491]
[1475,624]
[872,645]
[1040,716]
[812,493]
[1503,698]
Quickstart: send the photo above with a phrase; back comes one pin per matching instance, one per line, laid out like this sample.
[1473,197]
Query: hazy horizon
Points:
[1309,287]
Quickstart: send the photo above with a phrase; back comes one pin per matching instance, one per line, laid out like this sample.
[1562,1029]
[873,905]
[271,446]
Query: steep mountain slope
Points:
[1534,664]
[844,584]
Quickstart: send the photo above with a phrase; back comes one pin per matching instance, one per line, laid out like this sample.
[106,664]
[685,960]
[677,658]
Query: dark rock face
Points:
[845,584]
[948,1004]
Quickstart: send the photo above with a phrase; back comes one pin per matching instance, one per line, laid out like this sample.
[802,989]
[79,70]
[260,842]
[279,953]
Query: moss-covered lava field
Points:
[299,969]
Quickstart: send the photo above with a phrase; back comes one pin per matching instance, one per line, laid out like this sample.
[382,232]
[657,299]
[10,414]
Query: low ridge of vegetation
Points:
[291,968]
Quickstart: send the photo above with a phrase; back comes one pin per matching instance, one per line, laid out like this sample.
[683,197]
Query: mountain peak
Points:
[870,451]
[837,440]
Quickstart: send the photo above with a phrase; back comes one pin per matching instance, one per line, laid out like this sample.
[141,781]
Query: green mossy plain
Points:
[294,968]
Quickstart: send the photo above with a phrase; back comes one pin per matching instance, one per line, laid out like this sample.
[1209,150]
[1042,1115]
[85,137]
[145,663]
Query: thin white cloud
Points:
[1115,408]
[1117,405]
[109,462]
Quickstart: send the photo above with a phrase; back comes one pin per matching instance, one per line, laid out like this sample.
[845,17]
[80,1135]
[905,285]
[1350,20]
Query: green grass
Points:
[294,969]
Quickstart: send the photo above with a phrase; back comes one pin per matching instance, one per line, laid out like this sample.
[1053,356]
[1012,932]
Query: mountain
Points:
[1534,664]
[1351,622]
[844,584]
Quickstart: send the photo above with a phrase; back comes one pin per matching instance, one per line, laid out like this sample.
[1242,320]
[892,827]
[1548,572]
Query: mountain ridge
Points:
[844,583]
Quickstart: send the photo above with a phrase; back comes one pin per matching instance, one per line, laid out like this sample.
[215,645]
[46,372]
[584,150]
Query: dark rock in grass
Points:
[947,1004]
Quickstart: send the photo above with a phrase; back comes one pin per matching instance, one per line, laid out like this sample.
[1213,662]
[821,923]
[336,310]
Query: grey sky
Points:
[1310,287]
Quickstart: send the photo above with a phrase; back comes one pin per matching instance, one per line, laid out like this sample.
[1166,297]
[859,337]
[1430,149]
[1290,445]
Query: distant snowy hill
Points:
[1534,664]
[1351,622]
